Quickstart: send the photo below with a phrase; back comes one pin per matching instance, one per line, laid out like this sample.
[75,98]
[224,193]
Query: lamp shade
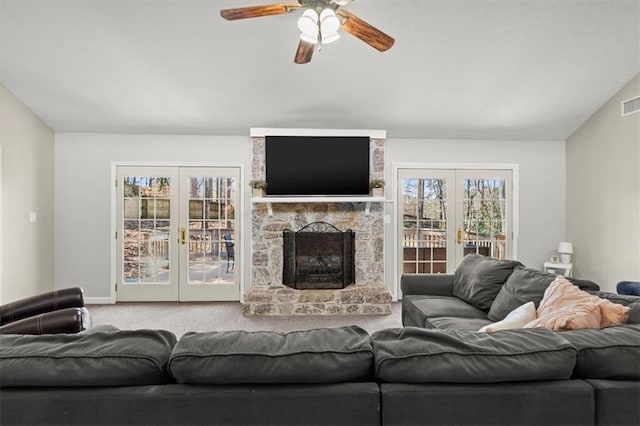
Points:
[308,25]
[565,247]
[329,25]
[311,38]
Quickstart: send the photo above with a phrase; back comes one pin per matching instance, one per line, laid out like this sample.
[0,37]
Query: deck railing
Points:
[430,238]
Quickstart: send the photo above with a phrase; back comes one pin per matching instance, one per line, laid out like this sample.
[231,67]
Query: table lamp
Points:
[566,250]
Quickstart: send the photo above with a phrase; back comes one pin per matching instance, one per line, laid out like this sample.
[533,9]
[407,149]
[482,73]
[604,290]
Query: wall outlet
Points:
[33,218]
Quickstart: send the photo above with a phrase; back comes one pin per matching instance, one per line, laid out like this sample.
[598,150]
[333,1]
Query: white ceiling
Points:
[499,69]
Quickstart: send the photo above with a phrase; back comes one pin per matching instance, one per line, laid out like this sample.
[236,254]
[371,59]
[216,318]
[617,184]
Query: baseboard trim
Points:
[99,301]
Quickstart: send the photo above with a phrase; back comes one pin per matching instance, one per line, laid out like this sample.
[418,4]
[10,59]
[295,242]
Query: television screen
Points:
[317,165]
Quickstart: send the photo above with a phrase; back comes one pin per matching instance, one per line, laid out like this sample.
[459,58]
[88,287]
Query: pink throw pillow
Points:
[566,307]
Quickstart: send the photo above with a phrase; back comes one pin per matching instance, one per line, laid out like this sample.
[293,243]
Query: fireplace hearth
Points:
[318,256]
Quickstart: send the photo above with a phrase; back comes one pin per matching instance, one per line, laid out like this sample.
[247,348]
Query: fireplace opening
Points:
[318,256]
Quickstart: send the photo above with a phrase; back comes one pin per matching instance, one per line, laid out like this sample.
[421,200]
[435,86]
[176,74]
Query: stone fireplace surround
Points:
[268,296]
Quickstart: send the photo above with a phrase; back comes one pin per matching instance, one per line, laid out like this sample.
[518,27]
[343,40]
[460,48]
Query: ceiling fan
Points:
[318,24]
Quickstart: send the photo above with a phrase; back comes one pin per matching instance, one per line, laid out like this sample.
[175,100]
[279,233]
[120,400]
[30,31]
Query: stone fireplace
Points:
[366,293]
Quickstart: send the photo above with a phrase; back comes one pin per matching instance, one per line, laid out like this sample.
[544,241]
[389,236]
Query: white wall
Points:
[27,186]
[603,193]
[541,187]
[83,187]
[83,191]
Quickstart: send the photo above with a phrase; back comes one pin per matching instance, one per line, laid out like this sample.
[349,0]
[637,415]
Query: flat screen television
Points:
[317,165]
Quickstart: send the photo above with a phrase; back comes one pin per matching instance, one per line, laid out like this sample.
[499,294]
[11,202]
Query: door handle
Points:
[459,236]
[183,236]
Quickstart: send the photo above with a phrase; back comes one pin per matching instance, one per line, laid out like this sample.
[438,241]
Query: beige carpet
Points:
[181,318]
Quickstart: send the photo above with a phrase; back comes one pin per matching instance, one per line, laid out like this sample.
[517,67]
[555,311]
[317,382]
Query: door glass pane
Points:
[484,221]
[146,229]
[424,233]
[211,257]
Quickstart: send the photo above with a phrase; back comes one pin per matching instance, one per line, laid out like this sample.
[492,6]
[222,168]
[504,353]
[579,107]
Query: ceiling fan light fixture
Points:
[308,24]
[329,25]
[310,38]
[319,24]
[329,38]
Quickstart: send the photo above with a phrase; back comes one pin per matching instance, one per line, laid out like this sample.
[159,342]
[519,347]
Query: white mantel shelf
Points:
[269,201]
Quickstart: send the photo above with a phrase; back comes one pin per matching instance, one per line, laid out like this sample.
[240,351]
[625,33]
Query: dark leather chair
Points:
[58,311]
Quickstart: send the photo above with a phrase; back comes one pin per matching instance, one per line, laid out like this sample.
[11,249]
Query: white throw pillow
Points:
[515,319]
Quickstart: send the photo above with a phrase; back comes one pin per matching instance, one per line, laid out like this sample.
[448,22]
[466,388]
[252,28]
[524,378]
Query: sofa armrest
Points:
[427,284]
[68,320]
[42,303]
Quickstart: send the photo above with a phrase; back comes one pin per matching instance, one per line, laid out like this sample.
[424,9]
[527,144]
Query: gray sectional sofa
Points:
[605,376]
[341,376]
[417,375]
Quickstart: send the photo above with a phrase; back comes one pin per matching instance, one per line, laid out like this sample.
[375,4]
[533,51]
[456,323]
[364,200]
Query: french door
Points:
[177,234]
[445,214]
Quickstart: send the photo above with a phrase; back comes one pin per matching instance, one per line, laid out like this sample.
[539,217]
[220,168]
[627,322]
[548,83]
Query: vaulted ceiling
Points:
[499,69]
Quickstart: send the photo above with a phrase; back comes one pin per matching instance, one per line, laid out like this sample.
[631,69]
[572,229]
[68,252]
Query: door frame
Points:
[515,170]
[1,229]
[240,222]
[225,291]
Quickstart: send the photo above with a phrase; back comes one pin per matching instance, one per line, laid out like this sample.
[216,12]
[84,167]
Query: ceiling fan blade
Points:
[257,11]
[304,52]
[365,31]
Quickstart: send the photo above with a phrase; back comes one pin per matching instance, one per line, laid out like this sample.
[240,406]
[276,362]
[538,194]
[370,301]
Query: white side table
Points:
[554,266]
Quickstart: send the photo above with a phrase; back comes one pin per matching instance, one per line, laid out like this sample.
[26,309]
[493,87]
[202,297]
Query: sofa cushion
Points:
[616,401]
[440,306]
[518,318]
[330,355]
[542,403]
[418,309]
[524,285]
[566,307]
[527,285]
[98,358]
[416,355]
[607,353]
[478,279]
[457,323]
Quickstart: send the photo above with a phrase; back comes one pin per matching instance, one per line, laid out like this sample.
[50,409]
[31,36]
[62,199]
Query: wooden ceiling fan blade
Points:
[365,31]
[304,52]
[258,11]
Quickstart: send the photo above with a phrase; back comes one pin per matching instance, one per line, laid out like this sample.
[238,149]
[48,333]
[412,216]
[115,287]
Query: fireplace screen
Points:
[319,256]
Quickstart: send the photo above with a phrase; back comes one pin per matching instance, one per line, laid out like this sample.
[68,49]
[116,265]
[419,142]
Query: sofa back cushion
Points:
[526,285]
[330,355]
[608,353]
[95,358]
[416,355]
[478,279]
